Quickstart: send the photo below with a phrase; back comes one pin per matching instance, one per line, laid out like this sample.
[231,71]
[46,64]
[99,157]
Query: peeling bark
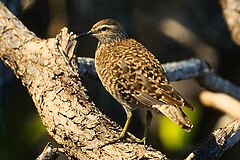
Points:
[68,114]
[47,69]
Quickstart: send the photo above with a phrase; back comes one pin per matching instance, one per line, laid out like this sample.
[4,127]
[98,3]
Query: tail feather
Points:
[175,114]
[189,106]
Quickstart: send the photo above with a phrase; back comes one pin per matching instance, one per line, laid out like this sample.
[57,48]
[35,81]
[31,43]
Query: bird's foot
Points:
[137,140]
[116,140]
[130,138]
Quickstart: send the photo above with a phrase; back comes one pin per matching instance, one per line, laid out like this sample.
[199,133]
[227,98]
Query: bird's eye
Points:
[104,28]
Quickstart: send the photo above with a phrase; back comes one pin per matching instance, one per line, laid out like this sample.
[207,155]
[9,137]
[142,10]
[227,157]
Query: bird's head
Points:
[107,30]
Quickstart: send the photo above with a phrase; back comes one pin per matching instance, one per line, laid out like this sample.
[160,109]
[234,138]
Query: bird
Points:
[135,77]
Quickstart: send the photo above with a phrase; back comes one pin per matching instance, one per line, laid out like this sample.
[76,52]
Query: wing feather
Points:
[142,81]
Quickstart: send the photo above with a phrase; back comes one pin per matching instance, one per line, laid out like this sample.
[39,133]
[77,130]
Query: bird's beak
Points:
[84,34]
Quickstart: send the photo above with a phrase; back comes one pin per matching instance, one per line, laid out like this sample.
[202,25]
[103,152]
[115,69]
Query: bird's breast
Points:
[105,63]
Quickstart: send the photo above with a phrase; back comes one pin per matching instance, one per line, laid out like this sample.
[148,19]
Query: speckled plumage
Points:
[133,76]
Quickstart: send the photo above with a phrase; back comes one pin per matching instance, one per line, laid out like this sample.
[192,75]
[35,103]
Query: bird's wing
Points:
[141,82]
[148,77]
[158,88]
[165,100]
[171,96]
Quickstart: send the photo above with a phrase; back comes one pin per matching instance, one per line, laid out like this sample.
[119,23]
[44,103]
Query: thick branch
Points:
[65,109]
[220,141]
[186,69]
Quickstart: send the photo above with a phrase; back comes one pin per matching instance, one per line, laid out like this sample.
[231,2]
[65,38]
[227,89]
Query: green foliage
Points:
[34,129]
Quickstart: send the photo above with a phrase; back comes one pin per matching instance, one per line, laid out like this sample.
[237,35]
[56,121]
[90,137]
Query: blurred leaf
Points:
[34,128]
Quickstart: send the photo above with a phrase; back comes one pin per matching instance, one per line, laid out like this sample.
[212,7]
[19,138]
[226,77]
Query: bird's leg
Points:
[124,131]
[146,131]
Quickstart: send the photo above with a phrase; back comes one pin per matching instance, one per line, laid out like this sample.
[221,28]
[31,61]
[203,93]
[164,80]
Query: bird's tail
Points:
[175,114]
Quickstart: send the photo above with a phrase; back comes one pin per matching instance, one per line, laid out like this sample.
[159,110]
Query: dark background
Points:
[172,30]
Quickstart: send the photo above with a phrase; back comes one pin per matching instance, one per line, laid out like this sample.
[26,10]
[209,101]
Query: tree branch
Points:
[68,114]
[222,102]
[64,108]
[186,69]
[49,153]
[219,141]
[231,12]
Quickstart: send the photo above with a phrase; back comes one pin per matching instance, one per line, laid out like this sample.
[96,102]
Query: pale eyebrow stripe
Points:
[108,26]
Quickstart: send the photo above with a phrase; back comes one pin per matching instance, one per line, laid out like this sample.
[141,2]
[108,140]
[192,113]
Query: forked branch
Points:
[47,69]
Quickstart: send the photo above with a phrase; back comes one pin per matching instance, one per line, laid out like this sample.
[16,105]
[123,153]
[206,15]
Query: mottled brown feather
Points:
[133,76]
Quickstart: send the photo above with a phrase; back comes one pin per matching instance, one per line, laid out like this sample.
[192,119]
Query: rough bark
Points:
[47,69]
[68,114]
[219,141]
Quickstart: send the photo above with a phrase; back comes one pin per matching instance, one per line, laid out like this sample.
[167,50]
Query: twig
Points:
[68,114]
[231,12]
[220,141]
[186,69]
[222,102]
[49,153]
